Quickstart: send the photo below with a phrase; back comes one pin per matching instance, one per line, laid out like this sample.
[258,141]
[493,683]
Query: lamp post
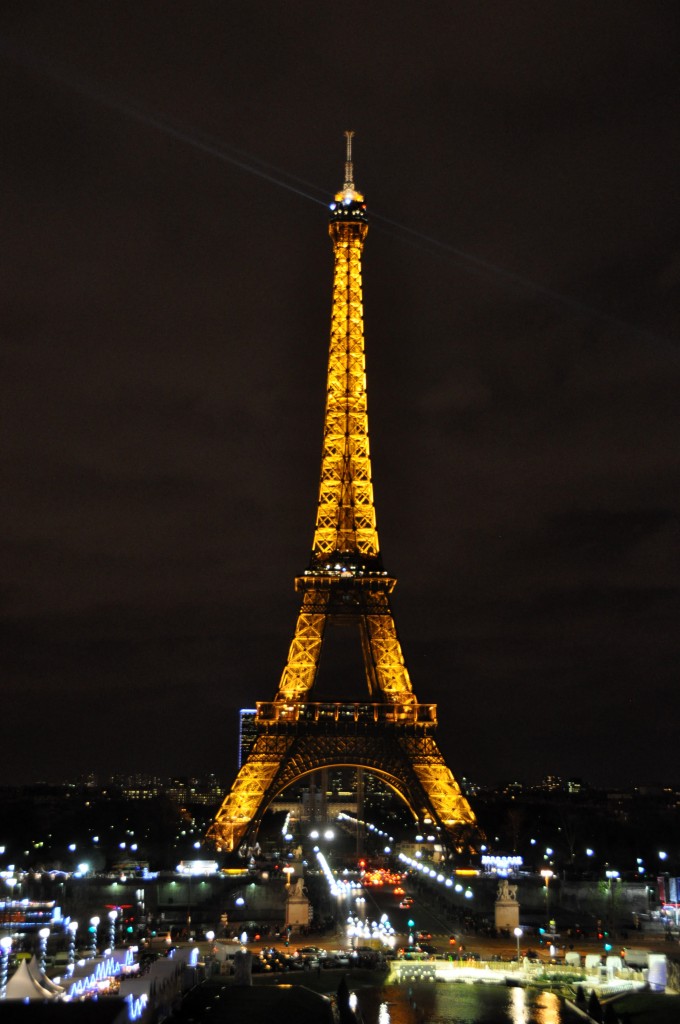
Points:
[10,883]
[547,874]
[518,932]
[43,935]
[288,871]
[5,949]
[189,906]
[72,929]
[94,924]
[611,878]
[113,916]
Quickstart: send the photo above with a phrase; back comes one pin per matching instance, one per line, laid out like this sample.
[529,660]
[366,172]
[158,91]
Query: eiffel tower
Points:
[392,735]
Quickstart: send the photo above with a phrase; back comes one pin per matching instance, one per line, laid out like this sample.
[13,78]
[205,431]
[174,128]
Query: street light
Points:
[5,948]
[113,915]
[288,871]
[611,877]
[547,874]
[518,932]
[72,929]
[94,924]
[44,935]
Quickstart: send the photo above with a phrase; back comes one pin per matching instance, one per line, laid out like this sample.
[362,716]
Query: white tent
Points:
[40,978]
[23,985]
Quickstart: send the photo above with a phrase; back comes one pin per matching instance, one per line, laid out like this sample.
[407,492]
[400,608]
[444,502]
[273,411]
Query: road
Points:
[426,918]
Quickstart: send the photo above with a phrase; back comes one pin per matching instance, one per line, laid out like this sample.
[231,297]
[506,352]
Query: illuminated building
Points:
[345,584]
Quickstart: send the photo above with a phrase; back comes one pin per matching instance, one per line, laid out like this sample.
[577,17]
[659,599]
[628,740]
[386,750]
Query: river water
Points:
[458,1003]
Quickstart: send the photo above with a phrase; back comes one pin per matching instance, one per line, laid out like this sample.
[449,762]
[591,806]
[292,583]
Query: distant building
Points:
[552,784]
[181,789]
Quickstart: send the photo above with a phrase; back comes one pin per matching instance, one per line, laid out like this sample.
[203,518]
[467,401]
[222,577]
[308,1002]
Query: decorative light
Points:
[72,929]
[518,933]
[5,949]
[94,924]
[44,935]
[113,916]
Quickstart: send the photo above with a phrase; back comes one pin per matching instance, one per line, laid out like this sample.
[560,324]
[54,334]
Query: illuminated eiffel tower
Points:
[392,736]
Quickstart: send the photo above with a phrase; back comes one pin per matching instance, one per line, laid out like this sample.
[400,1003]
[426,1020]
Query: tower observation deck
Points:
[345,584]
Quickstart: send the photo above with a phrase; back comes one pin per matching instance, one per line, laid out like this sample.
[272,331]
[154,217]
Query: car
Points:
[307,958]
[367,957]
[310,951]
[423,935]
[398,891]
[406,903]
[336,958]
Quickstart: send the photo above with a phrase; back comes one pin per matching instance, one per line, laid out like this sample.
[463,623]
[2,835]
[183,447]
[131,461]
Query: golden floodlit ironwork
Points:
[346,584]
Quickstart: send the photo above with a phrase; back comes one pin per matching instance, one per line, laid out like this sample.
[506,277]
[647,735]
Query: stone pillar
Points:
[506,907]
[297,906]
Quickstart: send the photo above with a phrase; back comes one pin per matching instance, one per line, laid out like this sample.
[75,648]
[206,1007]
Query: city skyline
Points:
[166,296]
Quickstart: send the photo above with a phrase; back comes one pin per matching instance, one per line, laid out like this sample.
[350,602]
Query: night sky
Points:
[165,308]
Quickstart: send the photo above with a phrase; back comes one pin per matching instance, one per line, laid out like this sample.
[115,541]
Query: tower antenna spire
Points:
[349,167]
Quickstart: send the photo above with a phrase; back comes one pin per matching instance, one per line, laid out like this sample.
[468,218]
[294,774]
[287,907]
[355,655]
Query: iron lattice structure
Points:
[393,735]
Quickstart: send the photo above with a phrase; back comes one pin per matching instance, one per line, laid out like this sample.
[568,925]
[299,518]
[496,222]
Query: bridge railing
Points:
[342,713]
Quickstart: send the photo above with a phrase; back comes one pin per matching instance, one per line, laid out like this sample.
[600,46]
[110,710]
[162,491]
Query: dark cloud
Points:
[165,300]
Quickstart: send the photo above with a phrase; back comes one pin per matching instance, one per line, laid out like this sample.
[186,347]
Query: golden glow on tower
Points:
[345,520]
[345,583]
